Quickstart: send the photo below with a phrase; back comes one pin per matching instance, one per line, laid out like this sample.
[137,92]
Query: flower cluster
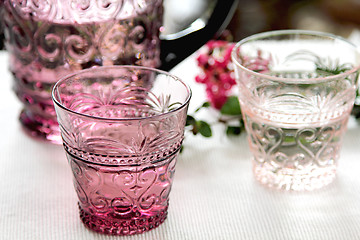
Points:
[217,72]
[218,76]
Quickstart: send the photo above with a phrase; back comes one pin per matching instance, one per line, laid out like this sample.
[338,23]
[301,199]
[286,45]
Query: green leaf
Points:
[233,130]
[204,129]
[356,111]
[204,105]
[190,120]
[231,106]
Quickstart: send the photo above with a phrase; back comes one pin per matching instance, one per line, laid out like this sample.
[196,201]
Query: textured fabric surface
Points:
[214,195]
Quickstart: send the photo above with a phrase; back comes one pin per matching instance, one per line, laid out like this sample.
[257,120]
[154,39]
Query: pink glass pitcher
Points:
[48,39]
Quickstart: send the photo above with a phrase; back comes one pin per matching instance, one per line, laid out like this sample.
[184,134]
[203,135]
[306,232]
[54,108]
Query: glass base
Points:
[40,128]
[288,179]
[124,226]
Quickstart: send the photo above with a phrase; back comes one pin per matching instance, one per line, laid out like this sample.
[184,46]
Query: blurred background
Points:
[340,17]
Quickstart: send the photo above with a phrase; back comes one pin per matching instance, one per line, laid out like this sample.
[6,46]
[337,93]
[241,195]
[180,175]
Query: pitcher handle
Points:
[176,47]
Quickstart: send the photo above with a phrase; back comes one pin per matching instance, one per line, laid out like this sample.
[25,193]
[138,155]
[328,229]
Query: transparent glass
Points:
[296,91]
[50,39]
[122,129]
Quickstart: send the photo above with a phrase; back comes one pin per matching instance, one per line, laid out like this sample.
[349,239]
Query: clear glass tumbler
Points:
[122,129]
[47,40]
[296,90]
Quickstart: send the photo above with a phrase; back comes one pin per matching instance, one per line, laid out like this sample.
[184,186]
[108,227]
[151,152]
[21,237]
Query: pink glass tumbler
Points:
[296,90]
[122,129]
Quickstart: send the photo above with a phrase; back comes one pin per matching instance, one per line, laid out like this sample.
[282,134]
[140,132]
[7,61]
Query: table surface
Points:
[214,195]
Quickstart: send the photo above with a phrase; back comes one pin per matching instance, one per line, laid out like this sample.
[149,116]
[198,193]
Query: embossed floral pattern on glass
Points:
[122,129]
[49,39]
[296,107]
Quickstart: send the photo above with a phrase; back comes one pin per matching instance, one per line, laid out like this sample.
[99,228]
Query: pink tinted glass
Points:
[122,129]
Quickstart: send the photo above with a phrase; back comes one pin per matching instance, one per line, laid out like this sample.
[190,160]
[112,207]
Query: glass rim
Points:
[84,71]
[235,58]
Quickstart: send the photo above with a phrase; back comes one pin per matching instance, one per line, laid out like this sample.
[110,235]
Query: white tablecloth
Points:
[214,195]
